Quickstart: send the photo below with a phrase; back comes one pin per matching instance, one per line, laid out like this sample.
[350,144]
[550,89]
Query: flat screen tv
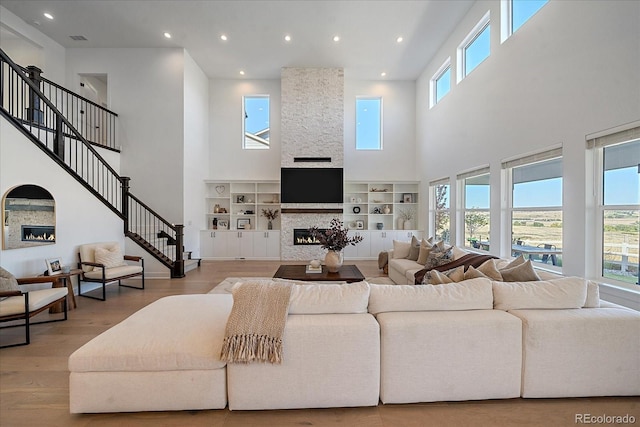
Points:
[311,185]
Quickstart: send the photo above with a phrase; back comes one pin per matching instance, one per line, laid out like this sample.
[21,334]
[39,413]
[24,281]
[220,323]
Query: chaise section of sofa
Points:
[163,357]
[441,343]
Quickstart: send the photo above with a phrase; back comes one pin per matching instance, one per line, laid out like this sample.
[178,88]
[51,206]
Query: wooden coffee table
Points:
[347,273]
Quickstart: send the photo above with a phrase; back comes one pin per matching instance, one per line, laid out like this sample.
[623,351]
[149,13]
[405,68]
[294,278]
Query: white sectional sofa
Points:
[356,344]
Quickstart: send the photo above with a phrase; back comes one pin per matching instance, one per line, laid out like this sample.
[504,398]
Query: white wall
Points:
[196,151]
[52,54]
[396,161]
[228,160]
[571,70]
[146,90]
[80,217]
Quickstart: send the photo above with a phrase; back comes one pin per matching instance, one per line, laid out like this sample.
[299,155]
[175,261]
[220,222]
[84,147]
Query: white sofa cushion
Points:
[180,332]
[114,272]
[37,300]
[329,299]
[323,298]
[329,360]
[449,355]
[567,292]
[474,294]
[585,352]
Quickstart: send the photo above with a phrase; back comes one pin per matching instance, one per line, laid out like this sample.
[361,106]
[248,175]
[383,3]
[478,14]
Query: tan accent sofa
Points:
[351,345]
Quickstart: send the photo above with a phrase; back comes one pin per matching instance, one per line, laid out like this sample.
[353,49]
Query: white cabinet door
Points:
[273,244]
[266,244]
[206,244]
[240,244]
[381,241]
[213,244]
[362,249]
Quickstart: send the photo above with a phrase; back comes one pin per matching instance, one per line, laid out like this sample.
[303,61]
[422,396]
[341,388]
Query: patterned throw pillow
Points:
[7,281]
[438,256]
[435,277]
[110,257]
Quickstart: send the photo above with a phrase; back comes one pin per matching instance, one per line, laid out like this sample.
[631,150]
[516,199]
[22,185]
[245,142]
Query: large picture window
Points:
[536,207]
[439,212]
[476,202]
[368,123]
[255,123]
[619,216]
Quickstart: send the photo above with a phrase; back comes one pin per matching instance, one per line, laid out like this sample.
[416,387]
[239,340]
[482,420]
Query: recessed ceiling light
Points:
[382,74]
[167,35]
[287,38]
[399,39]
[48,15]
[223,37]
[242,72]
[336,38]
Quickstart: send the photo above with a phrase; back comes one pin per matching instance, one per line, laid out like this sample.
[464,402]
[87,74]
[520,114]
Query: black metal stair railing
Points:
[94,122]
[24,105]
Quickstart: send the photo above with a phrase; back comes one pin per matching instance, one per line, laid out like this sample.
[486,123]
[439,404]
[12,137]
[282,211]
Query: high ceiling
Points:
[256,30]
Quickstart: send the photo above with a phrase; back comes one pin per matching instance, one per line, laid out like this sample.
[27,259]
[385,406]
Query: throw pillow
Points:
[401,249]
[7,281]
[435,277]
[515,262]
[489,269]
[414,250]
[110,257]
[438,256]
[472,273]
[425,249]
[458,253]
[520,273]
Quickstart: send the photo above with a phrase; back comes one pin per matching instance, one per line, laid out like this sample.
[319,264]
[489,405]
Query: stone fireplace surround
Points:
[312,129]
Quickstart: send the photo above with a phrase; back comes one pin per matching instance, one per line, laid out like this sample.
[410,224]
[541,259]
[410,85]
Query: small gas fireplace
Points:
[38,233]
[302,236]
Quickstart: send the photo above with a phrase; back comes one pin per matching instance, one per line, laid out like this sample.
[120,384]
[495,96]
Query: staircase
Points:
[66,126]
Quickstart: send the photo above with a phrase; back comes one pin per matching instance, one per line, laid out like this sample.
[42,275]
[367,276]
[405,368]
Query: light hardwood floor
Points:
[34,386]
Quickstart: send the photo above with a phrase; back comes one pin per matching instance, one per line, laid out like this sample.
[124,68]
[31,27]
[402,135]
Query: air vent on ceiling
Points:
[78,38]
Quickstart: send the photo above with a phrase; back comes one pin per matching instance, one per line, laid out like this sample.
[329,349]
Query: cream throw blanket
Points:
[256,323]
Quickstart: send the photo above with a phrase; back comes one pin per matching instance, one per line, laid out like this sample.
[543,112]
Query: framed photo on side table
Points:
[54,266]
[244,223]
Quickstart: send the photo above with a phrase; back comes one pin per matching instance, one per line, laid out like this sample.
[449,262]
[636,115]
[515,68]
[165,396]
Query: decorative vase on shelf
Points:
[333,260]
[270,225]
[400,224]
[386,209]
[407,224]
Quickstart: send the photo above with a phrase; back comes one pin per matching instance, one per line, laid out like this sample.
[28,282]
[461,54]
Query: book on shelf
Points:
[311,269]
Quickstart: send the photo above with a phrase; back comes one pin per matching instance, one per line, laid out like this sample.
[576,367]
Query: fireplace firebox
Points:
[302,236]
[38,233]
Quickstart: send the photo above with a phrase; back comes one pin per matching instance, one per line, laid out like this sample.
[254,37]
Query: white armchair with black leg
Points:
[104,263]
[17,305]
